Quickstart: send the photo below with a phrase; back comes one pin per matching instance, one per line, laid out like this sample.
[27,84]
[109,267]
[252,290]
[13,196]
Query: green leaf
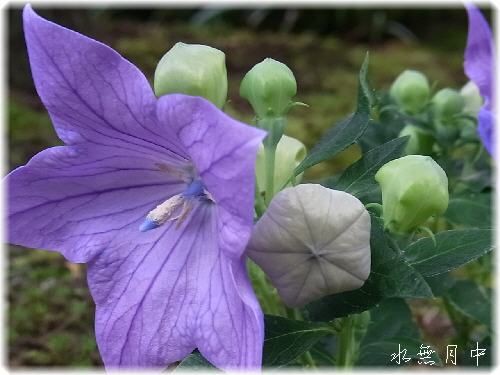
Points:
[440,284]
[390,276]
[195,361]
[391,325]
[359,178]
[347,132]
[286,339]
[392,318]
[472,301]
[453,248]
[472,210]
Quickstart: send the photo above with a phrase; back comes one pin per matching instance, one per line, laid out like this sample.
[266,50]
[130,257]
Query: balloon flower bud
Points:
[414,188]
[289,153]
[269,87]
[410,91]
[447,103]
[193,69]
[312,242]
[420,142]
[472,98]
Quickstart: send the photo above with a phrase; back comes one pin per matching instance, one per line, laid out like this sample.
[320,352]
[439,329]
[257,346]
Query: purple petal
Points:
[172,291]
[478,62]
[93,94]
[224,153]
[485,129]
[79,201]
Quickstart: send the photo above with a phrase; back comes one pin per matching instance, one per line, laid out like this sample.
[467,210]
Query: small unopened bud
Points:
[472,98]
[269,87]
[289,153]
[414,188]
[193,69]
[311,242]
[410,91]
[420,142]
[446,104]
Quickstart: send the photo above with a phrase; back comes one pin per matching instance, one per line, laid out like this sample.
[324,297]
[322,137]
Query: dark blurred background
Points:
[50,316]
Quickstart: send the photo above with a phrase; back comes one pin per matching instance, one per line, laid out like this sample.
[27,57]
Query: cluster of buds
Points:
[449,111]
[313,241]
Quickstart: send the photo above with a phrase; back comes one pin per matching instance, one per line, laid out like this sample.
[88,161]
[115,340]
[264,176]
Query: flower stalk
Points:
[274,127]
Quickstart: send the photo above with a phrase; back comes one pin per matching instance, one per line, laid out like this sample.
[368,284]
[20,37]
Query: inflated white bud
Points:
[312,242]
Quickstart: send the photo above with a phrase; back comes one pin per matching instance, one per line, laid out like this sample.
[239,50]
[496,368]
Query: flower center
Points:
[177,207]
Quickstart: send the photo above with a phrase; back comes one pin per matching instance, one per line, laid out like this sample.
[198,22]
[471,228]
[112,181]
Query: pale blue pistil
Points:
[171,207]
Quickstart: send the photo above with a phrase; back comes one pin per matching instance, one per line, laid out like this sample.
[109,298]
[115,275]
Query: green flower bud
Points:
[289,153]
[410,91]
[414,188]
[193,69]
[472,98]
[447,103]
[468,130]
[269,87]
[420,142]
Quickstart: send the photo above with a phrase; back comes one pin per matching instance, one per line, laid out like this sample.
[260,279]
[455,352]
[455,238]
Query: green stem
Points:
[270,161]
[260,205]
[274,127]
[263,290]
[346,344]
[308,359]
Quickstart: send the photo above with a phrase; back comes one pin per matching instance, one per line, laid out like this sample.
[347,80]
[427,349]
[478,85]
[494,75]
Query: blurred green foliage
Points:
[50,315]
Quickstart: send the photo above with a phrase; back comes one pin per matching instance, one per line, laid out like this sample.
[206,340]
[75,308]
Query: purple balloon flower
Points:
[478,66]
[155,195]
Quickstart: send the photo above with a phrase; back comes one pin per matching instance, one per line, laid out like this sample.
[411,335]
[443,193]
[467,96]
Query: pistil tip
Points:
[148,224]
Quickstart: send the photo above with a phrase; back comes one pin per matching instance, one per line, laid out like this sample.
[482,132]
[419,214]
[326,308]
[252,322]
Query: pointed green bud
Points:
[472,98]
[447,103]
[410,91]
[269,87]
[193,69]
[289,154]
[420,142]
[414,188]
[468,130]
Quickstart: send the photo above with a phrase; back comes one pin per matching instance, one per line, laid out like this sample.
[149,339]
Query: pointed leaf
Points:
[453,248]
[195,361]
[472,210]
[286,339]
[472,300]
[347,132]
[392,318]
[391,325]
[358,179]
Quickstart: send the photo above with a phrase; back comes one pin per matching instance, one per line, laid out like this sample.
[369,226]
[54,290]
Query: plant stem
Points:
[270,160]
[346,344]
[260,206]
[274,127]
[263,290]
[308,359]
